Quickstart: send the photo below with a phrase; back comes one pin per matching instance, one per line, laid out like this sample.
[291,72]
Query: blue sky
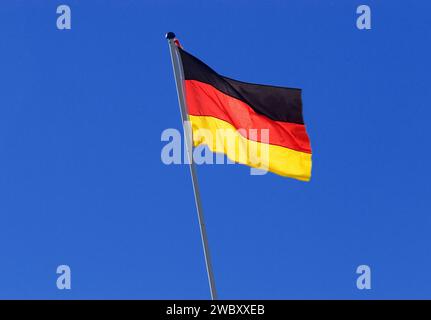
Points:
[82,183]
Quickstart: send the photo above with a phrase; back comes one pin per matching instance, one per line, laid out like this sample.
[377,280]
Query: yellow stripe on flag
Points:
[220,136]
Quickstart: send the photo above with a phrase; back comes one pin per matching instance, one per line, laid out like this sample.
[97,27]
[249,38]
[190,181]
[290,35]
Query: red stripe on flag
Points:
[205,100]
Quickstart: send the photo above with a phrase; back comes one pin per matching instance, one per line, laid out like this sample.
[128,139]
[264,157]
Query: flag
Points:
[257,125]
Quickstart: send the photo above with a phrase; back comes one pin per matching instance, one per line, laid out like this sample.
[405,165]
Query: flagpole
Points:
[179,80]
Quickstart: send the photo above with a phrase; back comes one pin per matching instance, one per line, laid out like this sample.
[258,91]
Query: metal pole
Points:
[179,79]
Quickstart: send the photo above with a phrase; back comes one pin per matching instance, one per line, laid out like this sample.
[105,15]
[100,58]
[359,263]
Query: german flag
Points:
[237,113]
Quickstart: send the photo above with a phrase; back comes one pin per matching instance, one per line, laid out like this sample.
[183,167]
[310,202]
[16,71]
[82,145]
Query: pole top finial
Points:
[170,35]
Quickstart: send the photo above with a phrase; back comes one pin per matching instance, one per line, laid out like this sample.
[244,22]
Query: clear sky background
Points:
[82,183]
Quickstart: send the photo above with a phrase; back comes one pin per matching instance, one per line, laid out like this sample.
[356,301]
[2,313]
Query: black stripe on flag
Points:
[277,103]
